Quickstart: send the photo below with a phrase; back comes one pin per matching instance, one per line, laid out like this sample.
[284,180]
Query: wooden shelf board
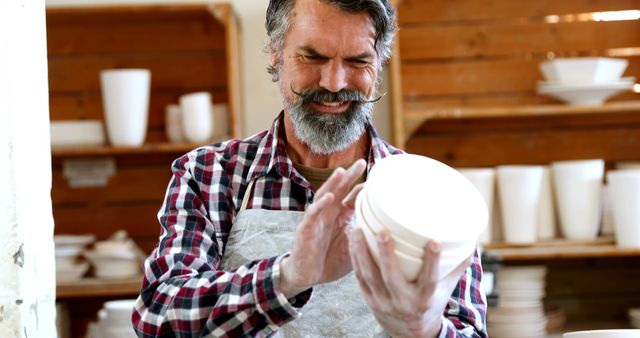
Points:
[581,326]
[417,114]
[147,148]
[560,249]
[96,287]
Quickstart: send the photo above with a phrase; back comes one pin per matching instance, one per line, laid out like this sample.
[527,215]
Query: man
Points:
[256,234]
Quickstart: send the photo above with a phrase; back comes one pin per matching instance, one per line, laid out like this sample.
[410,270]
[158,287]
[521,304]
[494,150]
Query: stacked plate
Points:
[520,313]
[117,257]
[68,250]
[584,81]
[77,133]
[418,199]
[114,320]
[634,317]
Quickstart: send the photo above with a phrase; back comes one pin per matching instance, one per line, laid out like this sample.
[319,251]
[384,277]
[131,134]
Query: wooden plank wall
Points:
[486,53]
[184,46]
[185,50]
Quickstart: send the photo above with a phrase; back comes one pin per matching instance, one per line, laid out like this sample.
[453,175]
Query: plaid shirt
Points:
[183,292]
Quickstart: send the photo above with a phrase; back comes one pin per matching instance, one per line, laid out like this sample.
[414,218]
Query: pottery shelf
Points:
[603,247]
[96,287]
[147,148]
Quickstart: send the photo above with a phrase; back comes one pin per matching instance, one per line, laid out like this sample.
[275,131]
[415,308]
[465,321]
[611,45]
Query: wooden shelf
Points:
[581,326]
[560,249]
[96,287]
[147,148]
[416,114]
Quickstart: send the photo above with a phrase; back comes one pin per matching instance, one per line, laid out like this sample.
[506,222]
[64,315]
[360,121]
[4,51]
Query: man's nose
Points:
[333,77]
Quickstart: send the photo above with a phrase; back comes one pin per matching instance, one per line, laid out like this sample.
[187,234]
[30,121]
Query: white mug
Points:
[125,96]
[197,116]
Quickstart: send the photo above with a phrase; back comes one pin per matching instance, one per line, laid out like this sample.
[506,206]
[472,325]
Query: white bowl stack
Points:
[117,257]
[520,313]
[114,320]
[584,80]
[68,250]
[418,199]
[634,317]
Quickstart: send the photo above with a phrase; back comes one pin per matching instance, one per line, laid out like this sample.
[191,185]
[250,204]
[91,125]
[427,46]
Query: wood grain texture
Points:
[517,39]
[442,11]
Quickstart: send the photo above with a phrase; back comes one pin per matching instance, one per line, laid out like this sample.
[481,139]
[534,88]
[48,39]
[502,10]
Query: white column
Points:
[27,266]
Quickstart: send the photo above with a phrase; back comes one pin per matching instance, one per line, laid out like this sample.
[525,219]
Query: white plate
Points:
[584,95]
[555,84]
[77,133]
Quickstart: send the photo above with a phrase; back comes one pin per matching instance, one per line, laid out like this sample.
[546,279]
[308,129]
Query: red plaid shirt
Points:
[183,292]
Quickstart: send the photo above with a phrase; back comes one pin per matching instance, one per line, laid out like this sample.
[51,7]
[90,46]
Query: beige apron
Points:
[335,309]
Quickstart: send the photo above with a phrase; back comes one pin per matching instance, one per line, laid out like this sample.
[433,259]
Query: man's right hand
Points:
[320,252]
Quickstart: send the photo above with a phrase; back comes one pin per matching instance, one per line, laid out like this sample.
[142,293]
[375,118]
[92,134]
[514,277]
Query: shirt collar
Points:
[272,151]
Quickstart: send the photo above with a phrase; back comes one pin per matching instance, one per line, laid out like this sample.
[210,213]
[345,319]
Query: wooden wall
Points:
[465,54]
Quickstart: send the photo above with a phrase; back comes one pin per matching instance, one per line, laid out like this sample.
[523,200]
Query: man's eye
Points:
[311,57]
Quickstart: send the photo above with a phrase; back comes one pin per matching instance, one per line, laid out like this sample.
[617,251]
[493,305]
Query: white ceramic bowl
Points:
[420,199]
[369,219]
[73,240]
[603,334]
[583,69]
[71,272]
[409,265]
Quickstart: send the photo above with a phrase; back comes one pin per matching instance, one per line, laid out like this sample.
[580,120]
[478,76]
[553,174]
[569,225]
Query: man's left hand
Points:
[403,308]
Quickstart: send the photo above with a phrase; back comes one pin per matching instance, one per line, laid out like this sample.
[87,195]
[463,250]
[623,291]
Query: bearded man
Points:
[256,234]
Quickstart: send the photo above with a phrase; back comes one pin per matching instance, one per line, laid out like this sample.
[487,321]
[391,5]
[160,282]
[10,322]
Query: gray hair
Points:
[381,12]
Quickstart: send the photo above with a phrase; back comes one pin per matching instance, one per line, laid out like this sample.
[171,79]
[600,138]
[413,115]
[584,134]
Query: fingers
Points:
[350,200]
[367,270]
[389,269]
[429,274]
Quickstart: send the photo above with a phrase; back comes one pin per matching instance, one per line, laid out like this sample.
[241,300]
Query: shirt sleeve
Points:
[465,314]
[183,292]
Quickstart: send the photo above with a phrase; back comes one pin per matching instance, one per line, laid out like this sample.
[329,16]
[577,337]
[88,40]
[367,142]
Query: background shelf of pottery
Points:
[188,48]
[463,91]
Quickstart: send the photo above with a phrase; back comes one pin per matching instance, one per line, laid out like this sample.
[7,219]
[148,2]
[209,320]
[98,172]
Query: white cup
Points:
[578,192]
[608,226]
[484,180]
[519,188]
[173,123]
[624,188]
[197,116]
[546,211]
[125,96]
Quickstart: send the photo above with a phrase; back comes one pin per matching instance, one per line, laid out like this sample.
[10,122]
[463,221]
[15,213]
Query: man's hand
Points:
[404,309]
[320,250]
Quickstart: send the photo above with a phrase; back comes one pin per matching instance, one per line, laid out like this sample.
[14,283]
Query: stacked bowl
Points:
[584,80]
[418,199]
[116,257]
[68,250]
[114,320]
[520,313]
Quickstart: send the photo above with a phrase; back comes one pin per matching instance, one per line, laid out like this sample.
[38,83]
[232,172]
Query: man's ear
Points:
[273,56]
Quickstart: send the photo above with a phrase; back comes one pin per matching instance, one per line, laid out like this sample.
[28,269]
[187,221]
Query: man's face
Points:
[327,68]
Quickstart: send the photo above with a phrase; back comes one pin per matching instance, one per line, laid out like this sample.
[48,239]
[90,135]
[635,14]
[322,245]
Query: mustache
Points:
[323,95]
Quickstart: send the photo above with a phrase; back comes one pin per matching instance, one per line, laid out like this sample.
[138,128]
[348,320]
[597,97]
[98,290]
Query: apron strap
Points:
[247,195]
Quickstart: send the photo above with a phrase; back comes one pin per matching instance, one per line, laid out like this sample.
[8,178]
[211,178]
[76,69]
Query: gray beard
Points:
[325,133]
